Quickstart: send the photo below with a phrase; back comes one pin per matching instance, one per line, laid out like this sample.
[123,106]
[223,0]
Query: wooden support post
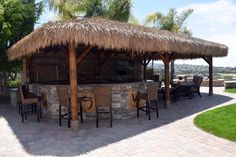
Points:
[166,59]
[26,66]
[209,60]
[145,73]
[73,86]
[144,60]
[144,68]
[167,83]
[210,76]
[172,73]
[24,73]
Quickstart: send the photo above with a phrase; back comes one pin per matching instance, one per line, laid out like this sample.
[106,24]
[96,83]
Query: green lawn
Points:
[232,90]
[220,122]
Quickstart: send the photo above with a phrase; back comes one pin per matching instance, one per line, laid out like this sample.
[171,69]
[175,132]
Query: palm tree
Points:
[119,10]
[172,21]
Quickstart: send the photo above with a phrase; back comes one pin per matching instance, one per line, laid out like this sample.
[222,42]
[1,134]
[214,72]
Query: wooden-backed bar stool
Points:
[29,105]
[103,102]
[151,97]
[64,101]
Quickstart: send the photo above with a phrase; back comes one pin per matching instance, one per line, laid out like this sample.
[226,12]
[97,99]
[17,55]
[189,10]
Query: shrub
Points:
[13,83]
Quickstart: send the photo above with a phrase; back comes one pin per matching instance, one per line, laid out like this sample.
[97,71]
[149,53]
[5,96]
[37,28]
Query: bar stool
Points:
[63,99]
[29,105]
[103,100]
[151,97]
[80,102]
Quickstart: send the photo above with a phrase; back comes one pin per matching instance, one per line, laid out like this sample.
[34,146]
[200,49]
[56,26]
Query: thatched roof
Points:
[108,34]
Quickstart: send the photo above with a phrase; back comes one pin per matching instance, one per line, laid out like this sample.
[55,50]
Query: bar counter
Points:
[122,103]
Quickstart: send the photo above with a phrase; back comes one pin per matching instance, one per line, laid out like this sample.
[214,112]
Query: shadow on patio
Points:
[47,138]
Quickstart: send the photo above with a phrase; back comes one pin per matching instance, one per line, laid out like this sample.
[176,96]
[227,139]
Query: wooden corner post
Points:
[209,60]
[24,72]
[210,76]
[73,86]
[166,58]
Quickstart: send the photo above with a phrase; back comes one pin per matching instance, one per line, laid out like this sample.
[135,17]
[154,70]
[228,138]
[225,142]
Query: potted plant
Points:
[13,90]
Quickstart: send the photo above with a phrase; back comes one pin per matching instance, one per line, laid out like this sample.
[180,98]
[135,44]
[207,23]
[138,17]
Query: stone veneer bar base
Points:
[122,104]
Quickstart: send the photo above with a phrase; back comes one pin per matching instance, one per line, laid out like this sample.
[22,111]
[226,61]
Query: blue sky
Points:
[213,20]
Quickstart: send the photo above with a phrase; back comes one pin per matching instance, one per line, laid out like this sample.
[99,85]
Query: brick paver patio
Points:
[173,134]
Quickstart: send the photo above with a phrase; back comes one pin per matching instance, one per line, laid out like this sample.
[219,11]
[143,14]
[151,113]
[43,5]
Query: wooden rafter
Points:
[208,59]
[144,60]
[83,54]
[139,58]
[167,57]
[173,56]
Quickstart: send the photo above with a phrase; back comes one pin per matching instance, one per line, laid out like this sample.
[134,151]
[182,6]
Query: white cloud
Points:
[46,17]
[215,21]
[52,15]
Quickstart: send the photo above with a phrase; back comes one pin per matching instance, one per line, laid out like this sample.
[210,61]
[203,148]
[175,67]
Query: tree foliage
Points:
[172,21]
[119,10]
[17,19]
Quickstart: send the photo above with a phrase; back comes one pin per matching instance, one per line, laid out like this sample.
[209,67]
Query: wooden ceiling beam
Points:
[83,54]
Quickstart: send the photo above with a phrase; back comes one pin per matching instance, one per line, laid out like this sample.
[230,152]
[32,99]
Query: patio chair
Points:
[182,90]
[103,103]
[151,97]
[197,80]
[63,99]
[29,105]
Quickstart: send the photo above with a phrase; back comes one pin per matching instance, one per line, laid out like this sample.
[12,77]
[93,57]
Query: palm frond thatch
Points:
[108,34]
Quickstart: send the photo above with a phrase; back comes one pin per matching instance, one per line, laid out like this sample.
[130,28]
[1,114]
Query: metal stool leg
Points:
[149,110]
[68,117]
[60,115]
[81,113]
[111,117]
[97,117]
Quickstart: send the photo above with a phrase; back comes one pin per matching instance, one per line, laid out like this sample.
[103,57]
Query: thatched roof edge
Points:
[108,34]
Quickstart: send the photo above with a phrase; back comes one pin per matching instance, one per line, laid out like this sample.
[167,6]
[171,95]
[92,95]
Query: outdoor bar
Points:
[117,71]
[101,52]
